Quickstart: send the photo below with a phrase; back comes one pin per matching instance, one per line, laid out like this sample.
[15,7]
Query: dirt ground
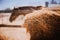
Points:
[13,33]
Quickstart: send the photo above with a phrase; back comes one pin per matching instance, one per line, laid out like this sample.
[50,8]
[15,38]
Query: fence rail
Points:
[4,25]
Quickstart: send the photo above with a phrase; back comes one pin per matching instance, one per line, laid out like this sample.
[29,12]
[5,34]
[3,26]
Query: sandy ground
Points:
[12,33]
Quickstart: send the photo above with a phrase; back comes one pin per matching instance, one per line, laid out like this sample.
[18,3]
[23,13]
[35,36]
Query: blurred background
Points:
[5,4]
[6,27]
[6,7]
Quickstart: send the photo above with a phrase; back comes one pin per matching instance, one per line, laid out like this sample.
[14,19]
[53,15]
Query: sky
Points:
[16,3]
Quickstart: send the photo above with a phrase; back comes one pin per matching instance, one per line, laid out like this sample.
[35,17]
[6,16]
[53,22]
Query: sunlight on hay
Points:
[14,33]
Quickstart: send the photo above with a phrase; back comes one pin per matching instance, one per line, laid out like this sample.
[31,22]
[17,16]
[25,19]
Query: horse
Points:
[22,11]
[43,25]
